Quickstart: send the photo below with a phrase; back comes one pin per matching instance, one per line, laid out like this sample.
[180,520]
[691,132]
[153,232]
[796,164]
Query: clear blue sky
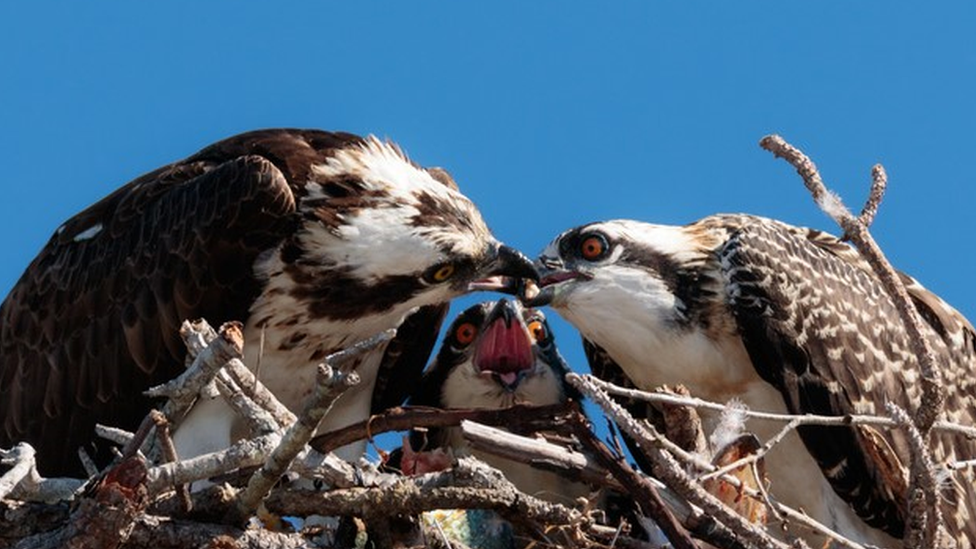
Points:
[548,114]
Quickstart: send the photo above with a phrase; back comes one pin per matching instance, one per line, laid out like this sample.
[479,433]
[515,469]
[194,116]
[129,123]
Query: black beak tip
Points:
[508,272]
[504,310]
[515,264]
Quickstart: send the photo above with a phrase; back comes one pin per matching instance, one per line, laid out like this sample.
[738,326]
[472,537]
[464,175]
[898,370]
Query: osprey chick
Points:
[315,240]
[497,354]
[785,319]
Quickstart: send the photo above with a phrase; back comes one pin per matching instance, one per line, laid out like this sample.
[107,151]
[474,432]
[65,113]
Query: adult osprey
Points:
[315,240]
[497,354]
[784,319]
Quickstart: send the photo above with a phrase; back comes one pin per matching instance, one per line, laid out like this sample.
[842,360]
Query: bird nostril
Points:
[551,262]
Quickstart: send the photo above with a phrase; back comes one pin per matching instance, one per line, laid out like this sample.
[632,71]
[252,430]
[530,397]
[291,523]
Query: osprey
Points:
[315,240]
[785,319]
[498,354]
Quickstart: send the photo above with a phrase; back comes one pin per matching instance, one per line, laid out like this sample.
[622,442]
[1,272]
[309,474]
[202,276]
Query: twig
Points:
[154,532]
[879,183]
[196,335]
[933,393]
[337,472]
[470,485]
[23,482]
[105,518]
[701,464]
[87,463]
[244,453]
[132,447]
[752,459]
[249,384]
[332,380]
[536,452]
[184,389]
[962,464]
[645,493]
[169,453]
[22,458]
[114,434]
[209,351]
[805,419]
[682,424]
[924,511]
[519,418]
[668,471]
[258,419]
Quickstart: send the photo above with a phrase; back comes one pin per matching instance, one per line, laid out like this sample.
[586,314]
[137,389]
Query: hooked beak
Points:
[551,275]
[506,271]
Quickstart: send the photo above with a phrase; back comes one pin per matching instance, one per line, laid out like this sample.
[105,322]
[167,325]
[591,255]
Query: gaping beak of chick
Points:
[504,350]
[506,271]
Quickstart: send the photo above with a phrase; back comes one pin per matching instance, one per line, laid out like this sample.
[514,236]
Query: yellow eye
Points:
[593,247]
[443,272]
[465,333]
[538,330]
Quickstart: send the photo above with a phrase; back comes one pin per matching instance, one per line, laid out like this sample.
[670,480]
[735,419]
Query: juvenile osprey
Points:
[316,240]
[495,355]
[784,319]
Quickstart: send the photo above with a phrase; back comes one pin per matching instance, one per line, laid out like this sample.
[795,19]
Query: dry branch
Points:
[184,389]
[805,419]
[104,518]
[332,379]
[925,519]
[471,484]
[933,394]
[643,491]
[535,451]
[516,419]
[668,471]
[21,457]
[23,482]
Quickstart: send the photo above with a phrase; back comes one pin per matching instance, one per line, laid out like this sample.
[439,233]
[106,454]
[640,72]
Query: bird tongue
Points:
[505,350]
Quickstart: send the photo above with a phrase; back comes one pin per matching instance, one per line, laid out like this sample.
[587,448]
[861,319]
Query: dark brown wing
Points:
[94,319]
[403,363]
[819,327]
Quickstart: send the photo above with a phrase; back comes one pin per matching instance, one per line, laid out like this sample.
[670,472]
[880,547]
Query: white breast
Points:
[631,316]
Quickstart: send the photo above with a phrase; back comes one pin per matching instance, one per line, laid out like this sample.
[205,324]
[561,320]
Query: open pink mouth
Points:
[505,351]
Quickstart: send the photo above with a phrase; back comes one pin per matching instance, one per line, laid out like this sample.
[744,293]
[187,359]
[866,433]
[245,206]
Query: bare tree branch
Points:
[471,484]
[643,491]
[332,379]
[922,525]
[21,457]
[519,418]
[805,419]
[105,517]
[933,394]
[668,471]
[879,183]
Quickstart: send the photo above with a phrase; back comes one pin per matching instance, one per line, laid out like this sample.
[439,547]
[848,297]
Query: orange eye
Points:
[538,330]
[593,247]
[465,333]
